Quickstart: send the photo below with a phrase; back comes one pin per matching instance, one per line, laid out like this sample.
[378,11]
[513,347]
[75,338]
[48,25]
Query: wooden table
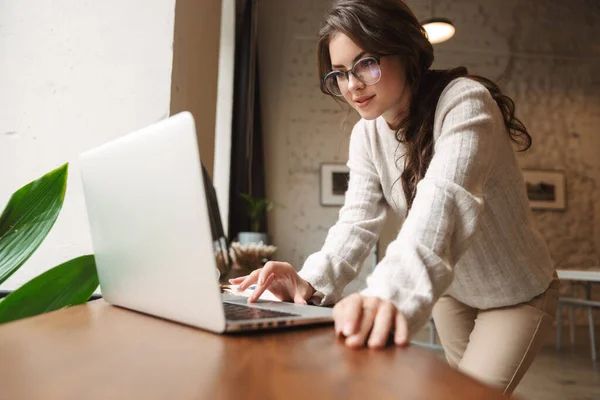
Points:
[97,351]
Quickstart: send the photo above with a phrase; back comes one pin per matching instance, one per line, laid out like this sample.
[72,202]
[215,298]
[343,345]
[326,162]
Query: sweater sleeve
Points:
[418,266]
[360,221]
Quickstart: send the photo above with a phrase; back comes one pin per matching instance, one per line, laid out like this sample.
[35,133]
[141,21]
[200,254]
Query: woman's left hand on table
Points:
[369,320]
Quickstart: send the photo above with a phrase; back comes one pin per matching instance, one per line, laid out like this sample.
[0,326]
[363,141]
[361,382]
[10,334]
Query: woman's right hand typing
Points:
[281,279]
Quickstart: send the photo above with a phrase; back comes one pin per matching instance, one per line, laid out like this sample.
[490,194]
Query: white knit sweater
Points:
[469,232]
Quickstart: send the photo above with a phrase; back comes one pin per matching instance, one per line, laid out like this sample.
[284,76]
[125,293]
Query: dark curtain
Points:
[247,162]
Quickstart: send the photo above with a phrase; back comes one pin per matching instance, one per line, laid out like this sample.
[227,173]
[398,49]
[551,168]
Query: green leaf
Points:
[28,217]
[270,206]
[261,203]
[67,284]
[247,197]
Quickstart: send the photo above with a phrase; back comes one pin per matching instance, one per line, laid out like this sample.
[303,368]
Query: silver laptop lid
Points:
[150,228]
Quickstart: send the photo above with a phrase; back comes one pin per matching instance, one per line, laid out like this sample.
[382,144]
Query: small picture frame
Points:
[545,189]
[334,184]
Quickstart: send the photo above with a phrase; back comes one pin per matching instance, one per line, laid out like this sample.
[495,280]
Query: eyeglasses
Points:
[366,70]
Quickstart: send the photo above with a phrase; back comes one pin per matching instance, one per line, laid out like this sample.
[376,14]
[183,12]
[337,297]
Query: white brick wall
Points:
[546,54]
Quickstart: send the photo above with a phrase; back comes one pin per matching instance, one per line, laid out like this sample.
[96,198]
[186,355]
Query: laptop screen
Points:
[221,244]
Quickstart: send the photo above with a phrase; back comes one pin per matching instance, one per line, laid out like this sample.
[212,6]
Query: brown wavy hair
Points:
[389,28]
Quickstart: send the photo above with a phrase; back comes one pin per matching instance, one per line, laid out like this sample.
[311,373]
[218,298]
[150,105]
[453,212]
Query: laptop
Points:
[151,231]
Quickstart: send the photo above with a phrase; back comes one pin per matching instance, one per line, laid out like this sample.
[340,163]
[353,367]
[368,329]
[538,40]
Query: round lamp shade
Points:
[438,29]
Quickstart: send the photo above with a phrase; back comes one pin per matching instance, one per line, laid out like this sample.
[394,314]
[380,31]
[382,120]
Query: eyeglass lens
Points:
[366,70]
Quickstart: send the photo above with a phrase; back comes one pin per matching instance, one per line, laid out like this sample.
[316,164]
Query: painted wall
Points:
[545,54]
[74,75]
[223,122]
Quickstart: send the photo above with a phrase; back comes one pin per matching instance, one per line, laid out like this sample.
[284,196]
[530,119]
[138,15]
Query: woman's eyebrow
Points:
[358,57]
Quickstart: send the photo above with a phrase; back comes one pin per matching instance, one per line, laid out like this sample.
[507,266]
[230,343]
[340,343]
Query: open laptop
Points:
[151,232]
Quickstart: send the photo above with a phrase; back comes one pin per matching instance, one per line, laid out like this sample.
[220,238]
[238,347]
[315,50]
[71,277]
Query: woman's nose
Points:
[354,83]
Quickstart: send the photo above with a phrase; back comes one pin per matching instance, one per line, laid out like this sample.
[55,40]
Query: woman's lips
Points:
[362,102]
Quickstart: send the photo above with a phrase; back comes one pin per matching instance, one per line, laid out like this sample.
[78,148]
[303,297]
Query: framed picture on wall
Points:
[545,189]
[334,183]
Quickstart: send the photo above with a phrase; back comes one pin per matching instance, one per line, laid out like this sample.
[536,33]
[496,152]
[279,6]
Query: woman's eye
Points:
[367,62]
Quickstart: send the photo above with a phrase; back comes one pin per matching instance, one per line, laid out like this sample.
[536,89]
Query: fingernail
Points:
[352,340]
[348,329]
[401,341]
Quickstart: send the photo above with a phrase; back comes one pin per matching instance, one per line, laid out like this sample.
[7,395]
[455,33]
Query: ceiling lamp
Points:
[438,29]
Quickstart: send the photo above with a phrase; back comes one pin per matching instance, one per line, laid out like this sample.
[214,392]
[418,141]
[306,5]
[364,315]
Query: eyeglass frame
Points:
[347,73]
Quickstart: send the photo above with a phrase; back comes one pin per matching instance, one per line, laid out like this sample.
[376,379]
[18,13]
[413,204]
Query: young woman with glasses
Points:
[436,148]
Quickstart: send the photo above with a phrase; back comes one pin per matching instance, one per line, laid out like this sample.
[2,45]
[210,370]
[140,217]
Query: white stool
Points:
[432,342]
[573,302]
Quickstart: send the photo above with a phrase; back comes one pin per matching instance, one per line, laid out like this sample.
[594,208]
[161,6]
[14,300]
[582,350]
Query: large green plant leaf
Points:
[65,285]
[28,217]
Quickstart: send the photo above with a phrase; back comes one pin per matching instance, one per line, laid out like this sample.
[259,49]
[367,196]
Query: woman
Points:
[435,147]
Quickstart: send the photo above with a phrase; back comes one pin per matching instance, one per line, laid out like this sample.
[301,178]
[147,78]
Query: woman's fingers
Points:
[237,280]
[278,272]
[369,310]
[346,314]
[298,299]
[401,335]
[352,314]
[259,275]
[260,288]
[382,326]
[360,317]
[264,272]
[249,280]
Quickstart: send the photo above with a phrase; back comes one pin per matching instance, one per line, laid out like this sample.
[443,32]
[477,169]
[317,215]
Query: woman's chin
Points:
[368,114]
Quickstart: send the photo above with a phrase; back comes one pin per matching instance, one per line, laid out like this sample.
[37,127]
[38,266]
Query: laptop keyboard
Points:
[237,312]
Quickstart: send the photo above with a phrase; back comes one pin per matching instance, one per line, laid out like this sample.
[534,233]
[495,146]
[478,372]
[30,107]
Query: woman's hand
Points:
[358,317]
[281,279]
